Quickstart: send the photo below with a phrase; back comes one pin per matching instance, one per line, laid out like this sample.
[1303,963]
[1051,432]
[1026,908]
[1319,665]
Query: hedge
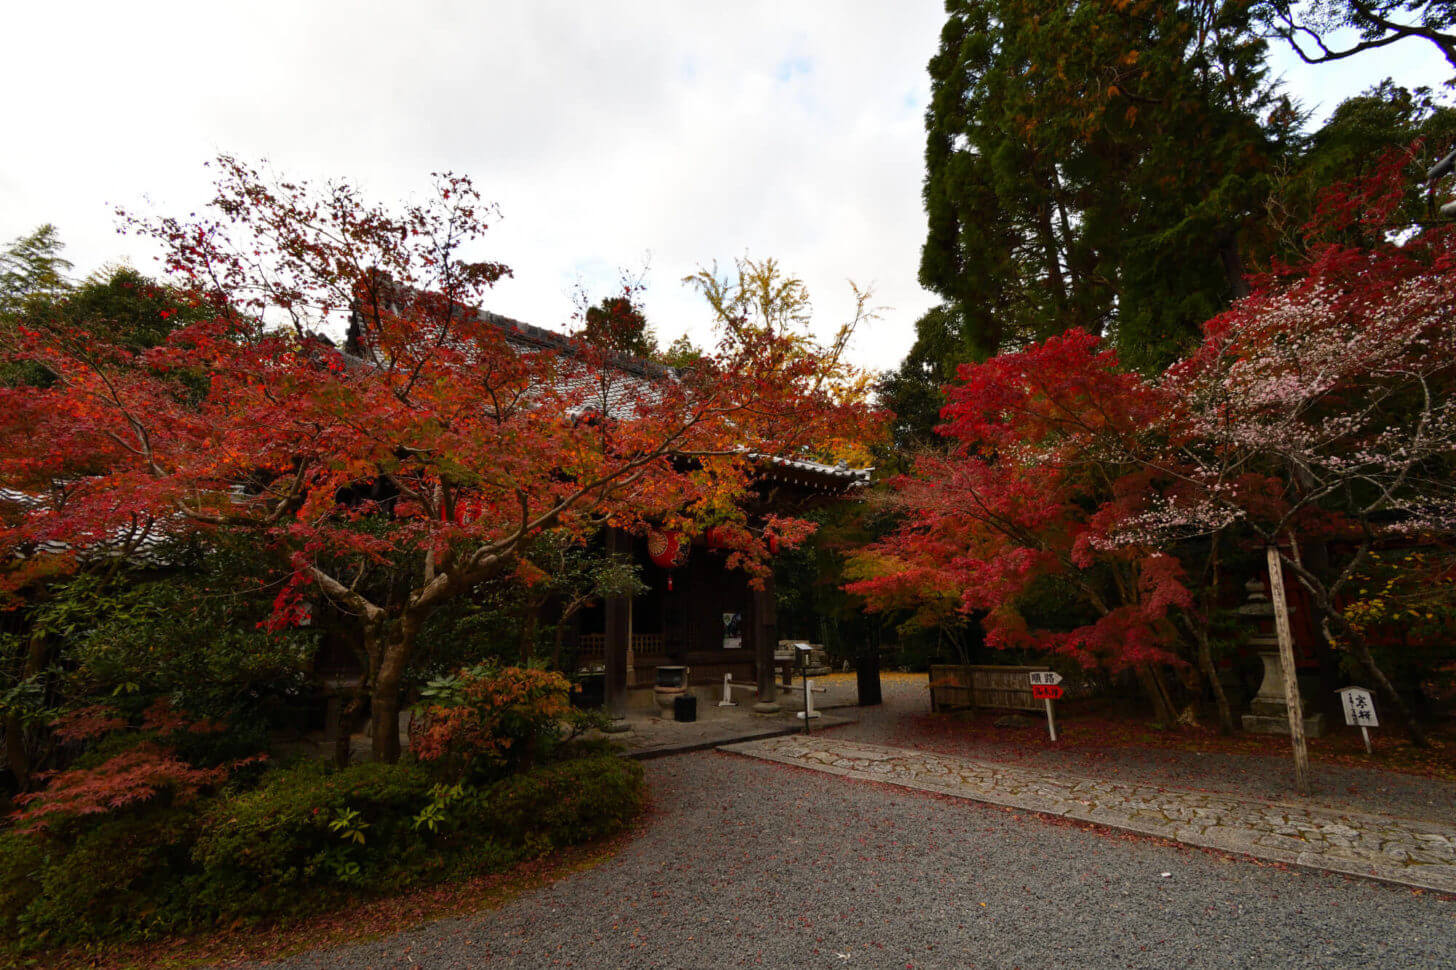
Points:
[306,838]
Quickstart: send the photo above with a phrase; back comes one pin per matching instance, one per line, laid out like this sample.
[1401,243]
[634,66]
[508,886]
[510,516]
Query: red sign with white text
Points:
[1046,691]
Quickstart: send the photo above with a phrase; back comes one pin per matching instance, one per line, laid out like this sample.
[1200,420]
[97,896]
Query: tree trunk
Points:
[1170,703]
[1199,630]
[1152,686]
[16,755]
[1316,559]
[557,642]
[347,711]
[1227,243]
[384,699]
[528,633]
[1220,699]
[867,674]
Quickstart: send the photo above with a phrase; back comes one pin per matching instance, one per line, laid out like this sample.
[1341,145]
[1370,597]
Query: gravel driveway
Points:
[745,863]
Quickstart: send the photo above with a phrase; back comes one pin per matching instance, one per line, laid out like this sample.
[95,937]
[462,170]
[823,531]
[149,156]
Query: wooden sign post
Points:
[1286,660]
[1359,709]
[1044,685]
[808,713]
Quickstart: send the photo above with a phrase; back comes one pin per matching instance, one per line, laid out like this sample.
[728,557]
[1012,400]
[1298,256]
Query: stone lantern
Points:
[1269,712]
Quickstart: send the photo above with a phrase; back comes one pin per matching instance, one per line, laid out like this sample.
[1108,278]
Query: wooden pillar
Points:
[763,622]
[867,669]
[618,631]
[1292,699]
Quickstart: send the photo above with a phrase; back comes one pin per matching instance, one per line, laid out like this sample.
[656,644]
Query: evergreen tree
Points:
[912,392]
[1095,165]
[32,268]
[1351,145]
[618,324]
[117,305]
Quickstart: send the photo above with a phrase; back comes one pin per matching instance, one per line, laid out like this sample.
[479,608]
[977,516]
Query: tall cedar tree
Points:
[32,267]
[1096,165]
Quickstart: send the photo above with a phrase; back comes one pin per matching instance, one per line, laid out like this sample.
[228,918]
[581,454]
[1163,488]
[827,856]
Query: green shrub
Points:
[22,866]
[308,825]
[485,722]
[119,877]
[193,634]
[563,804]
[305,838]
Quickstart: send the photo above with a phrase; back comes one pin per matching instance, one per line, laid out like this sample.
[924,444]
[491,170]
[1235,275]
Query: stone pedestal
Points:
[1270,715]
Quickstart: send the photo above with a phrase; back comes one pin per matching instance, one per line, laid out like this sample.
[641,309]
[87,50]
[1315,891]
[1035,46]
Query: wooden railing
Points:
[591,648]
[968,685]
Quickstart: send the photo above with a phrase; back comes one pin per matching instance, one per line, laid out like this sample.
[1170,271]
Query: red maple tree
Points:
[1317,414]
[442,443]
[1011,513]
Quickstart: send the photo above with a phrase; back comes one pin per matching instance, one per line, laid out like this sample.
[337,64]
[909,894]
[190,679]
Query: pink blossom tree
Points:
[1318,413]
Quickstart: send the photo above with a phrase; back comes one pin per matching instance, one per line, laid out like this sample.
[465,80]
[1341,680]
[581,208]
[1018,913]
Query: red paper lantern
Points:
[718,537]
[663,548]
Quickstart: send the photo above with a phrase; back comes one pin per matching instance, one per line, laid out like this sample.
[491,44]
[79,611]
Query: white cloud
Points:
[604,131]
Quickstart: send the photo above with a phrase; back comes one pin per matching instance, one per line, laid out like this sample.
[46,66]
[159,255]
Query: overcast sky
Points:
[610,134]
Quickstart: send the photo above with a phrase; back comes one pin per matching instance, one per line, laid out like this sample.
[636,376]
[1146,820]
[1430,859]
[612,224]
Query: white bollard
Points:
[729,687]
[809,691]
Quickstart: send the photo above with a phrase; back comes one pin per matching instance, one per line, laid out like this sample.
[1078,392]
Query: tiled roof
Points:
[531,335]
[646,372]
[797,468]
[149,550]
[618,398]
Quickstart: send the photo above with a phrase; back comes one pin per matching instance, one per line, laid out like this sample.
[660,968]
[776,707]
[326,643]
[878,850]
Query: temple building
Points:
[696,613]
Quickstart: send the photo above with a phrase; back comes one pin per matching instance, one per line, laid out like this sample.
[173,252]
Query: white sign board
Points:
[1359,707]
[1046,677]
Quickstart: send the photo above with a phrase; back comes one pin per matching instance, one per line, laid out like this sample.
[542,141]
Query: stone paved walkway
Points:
[1404,851]
[649,736]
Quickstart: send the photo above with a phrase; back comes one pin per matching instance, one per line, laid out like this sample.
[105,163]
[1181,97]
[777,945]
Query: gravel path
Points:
[748,863]
[904,721]
[745,863]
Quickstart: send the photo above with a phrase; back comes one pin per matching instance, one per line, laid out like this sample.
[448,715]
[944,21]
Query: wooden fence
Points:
[649,651]
[957,686]
[592,647]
